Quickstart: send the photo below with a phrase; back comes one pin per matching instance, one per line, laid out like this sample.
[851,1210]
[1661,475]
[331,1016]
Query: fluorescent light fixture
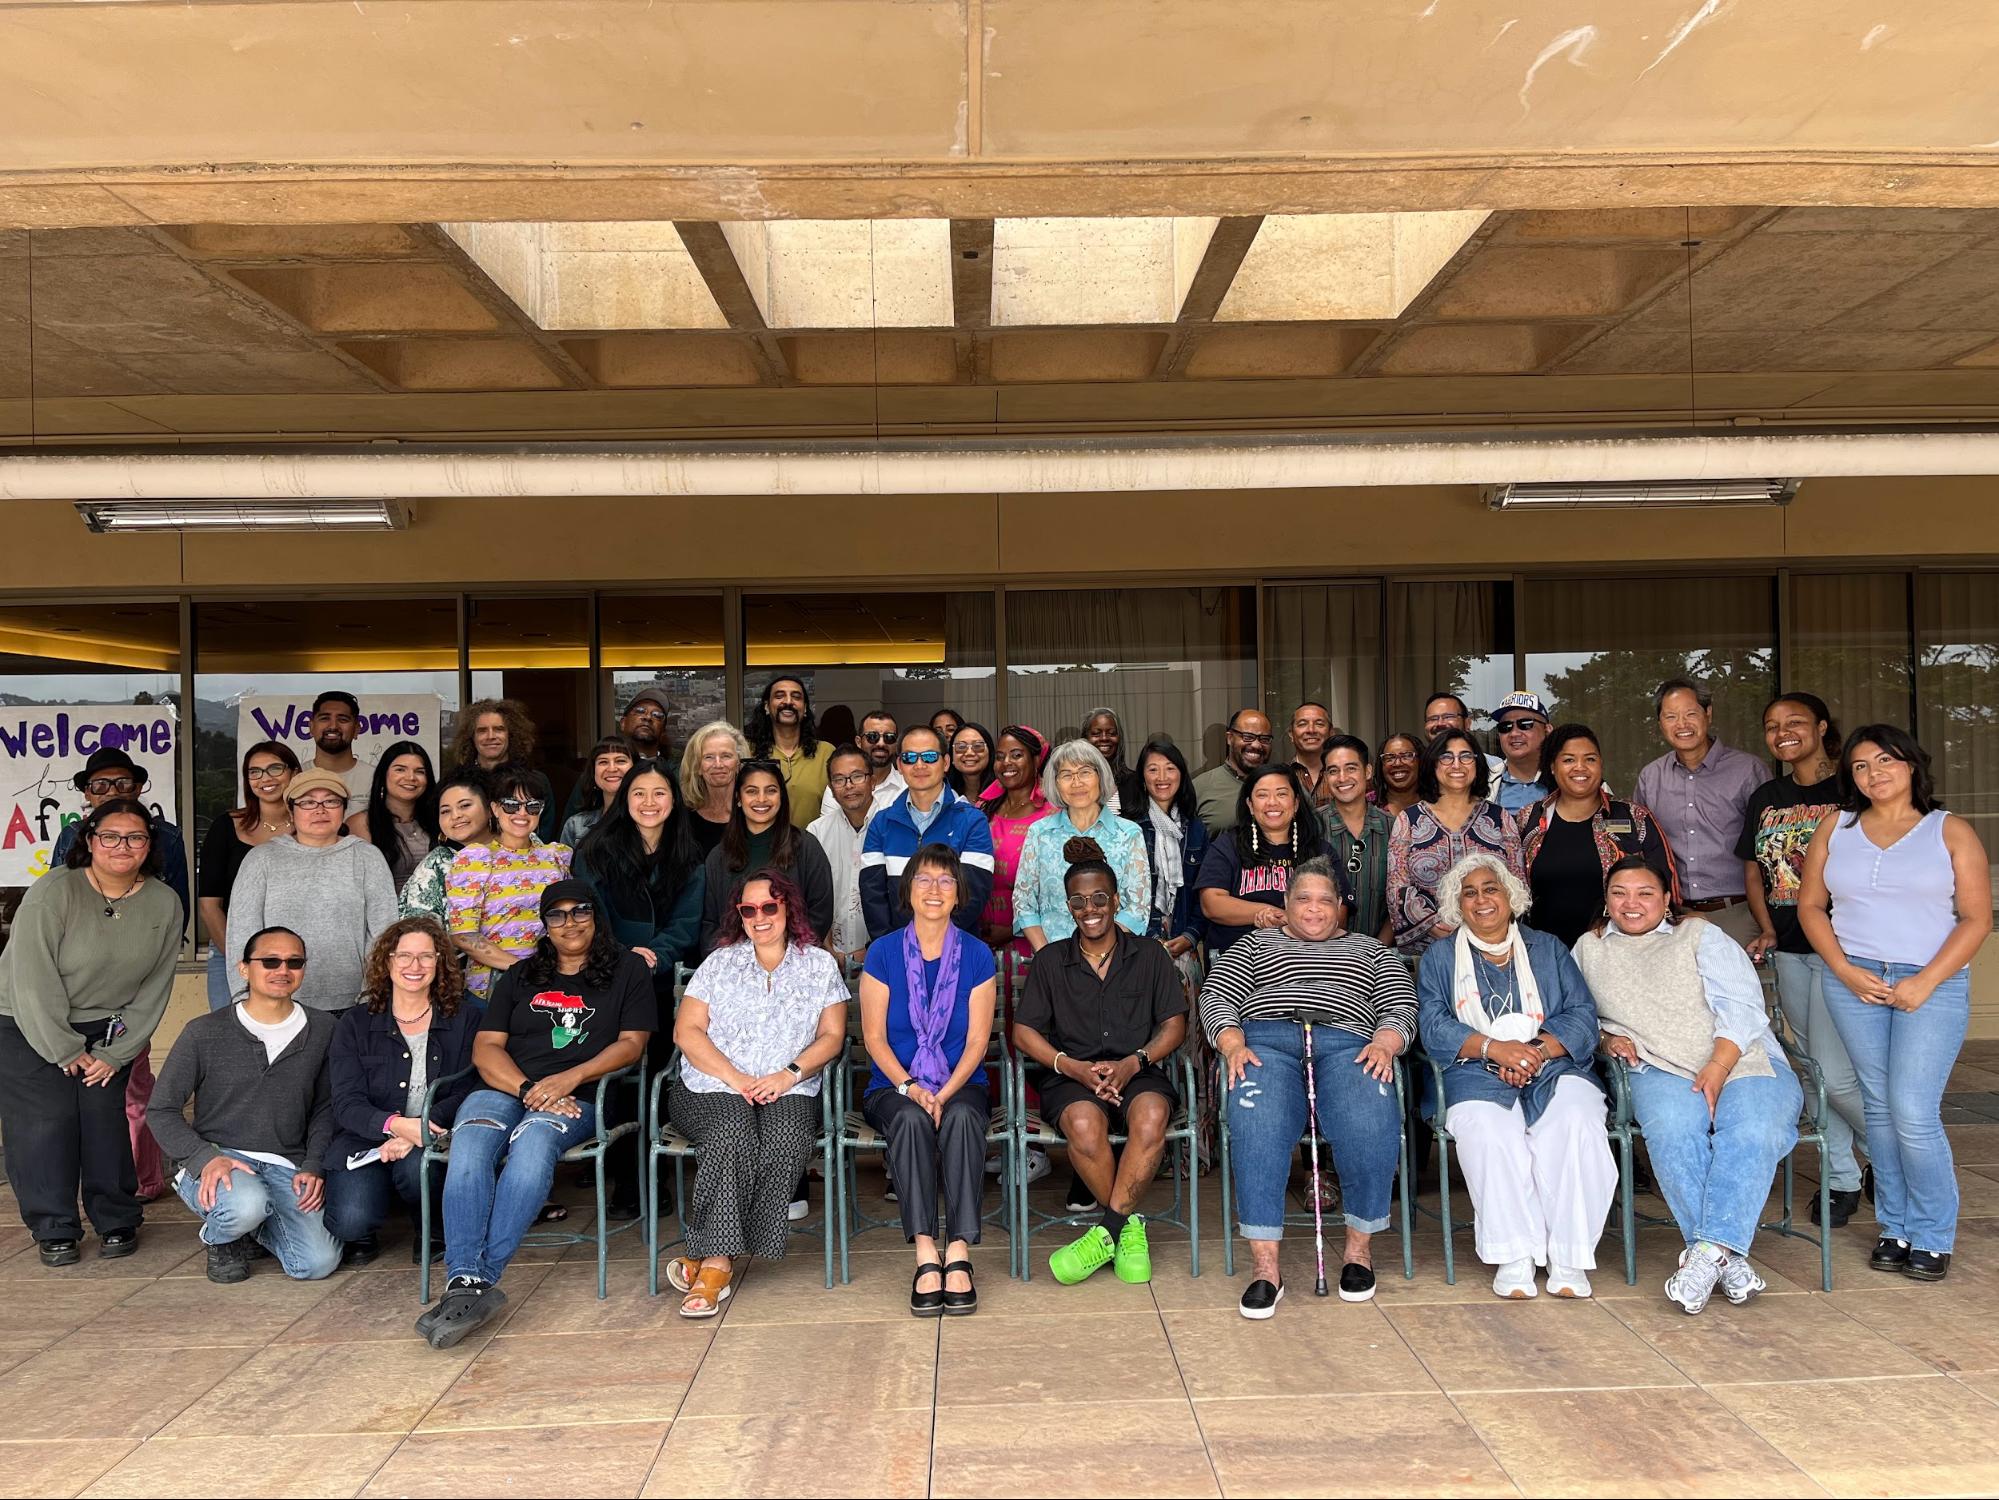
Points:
[1655,494]
[243,515]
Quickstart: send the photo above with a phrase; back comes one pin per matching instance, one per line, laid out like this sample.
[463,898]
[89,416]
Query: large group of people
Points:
[421,978]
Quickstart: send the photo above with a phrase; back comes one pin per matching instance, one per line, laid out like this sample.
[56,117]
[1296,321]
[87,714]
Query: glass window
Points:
[1850,644]
[1957,688]
[54,660]
[909,653]
[1172,661]
[1322,642]
[1454,636]
[1598,648]
[669,641]
[536,651]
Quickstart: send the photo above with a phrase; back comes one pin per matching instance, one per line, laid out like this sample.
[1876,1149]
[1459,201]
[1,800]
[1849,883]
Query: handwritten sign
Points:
[385,718]
[42,749]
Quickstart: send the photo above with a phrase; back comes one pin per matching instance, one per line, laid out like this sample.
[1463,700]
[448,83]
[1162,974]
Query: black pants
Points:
[751,1154]
[61,1137]
[921,1156]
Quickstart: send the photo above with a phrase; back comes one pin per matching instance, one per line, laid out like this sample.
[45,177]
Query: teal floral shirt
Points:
[1039,899]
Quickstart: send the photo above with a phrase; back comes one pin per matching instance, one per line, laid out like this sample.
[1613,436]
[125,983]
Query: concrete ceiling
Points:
[1626,316]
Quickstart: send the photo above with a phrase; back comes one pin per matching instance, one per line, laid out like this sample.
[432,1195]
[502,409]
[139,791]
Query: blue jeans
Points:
[503,1158]
[358,1202]
[1801,996]
[1716,1174]
[261,1202]
[218,979]
[1903,1059]
[1359,1117]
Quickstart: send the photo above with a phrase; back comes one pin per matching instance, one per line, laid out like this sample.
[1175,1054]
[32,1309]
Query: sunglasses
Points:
[877,737]
[293,963]
[928,757]
[749,911]
[562,916]
[1517,726]
[514,804]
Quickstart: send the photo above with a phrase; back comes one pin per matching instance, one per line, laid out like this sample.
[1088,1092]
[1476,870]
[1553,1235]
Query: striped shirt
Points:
[1350,982]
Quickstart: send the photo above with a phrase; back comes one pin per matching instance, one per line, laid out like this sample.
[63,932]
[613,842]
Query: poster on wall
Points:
[41,750]
[385,719]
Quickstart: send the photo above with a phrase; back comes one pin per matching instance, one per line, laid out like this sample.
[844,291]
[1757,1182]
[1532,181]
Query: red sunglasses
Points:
[748,909]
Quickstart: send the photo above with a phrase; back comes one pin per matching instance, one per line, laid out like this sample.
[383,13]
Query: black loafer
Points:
[1356,1282]
[118,1243]
[960,1304]
[1927,1265]
[1889,1254]
[1260,1299]
[60,1252]
[1844,1202]
[927,1304]
[364,1251]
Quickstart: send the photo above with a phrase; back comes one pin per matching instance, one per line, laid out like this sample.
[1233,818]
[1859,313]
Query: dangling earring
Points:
[1253,844]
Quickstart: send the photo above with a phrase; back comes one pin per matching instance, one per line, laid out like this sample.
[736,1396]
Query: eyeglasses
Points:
[1399,757]
[514,805]
[266,773]
[852,779]
[105,840]
[648,712]
[879,737]
[927,757]
[271,962]
[320,804]
[1093,901]
[414,960]
[934,883]
[1077,773]
[1458,757]
[562,916]
[104,786]
[749,911]
[1253,739]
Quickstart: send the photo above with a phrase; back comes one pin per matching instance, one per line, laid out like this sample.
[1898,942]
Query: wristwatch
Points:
[522,1092]
[905,1086]
[1144,1057]
[794,1070]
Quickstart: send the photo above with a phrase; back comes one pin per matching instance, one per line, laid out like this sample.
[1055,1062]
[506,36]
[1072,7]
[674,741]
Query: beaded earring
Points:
[1253,844]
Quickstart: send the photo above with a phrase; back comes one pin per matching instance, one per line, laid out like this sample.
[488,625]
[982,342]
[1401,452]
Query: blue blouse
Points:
[975,967]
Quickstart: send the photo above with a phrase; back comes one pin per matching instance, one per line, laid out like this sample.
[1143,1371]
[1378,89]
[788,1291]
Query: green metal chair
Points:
[1029,1130]
[665,1143]
[437,1151]
[1303,1219]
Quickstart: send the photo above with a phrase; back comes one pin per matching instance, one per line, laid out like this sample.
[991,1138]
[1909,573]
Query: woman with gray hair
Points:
[1079,786]
[1505,1010]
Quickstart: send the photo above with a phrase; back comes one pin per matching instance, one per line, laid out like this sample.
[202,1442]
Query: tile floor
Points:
[138,1377]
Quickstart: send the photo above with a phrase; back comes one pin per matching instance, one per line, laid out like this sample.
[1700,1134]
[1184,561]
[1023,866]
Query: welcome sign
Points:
[42,749]
[385,718]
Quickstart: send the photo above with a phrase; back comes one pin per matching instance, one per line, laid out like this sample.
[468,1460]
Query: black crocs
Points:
[461,1312]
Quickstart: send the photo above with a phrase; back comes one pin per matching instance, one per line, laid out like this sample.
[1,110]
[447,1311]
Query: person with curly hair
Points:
[411,1029]
[495,734]
[782,729]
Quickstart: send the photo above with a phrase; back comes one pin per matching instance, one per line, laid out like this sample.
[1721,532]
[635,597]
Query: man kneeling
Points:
[250,1164]
[1102,1010]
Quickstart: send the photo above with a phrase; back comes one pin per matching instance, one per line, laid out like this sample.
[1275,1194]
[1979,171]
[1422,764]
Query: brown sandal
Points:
[711,1287]
[681,1271]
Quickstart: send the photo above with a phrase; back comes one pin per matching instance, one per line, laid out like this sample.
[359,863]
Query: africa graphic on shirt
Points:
[1782,837]
[566,1014]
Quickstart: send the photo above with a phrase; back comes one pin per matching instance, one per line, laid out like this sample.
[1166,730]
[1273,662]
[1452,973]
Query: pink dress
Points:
[1009,834]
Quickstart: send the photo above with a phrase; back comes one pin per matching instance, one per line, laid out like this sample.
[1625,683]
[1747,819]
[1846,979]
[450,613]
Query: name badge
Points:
[1617,828]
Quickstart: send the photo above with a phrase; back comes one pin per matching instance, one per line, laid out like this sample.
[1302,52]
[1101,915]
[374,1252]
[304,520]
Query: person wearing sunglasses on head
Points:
[333,889]
[761,835]
[253,1155]
[762,1019]
[1356,833]
[84,980]
[929,812]
[1217,789]
[493,894]
[411,1029]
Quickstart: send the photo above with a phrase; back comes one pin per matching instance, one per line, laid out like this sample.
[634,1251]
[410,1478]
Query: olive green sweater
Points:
[66,962]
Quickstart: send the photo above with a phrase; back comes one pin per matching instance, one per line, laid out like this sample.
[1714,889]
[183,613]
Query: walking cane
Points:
[1312,1134]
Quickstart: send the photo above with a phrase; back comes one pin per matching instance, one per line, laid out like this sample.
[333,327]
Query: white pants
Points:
[1539,1194]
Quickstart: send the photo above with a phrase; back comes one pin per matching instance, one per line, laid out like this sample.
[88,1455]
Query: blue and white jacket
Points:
[892,838]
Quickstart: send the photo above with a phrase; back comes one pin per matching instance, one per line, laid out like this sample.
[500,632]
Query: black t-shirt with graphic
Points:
[1777,829]
[1264,881]
[554,1026]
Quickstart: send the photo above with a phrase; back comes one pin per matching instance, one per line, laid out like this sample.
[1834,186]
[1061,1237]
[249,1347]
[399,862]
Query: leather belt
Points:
[1714,903]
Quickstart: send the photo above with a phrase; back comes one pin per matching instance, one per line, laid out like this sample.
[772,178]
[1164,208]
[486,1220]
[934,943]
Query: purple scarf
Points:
[930,1008]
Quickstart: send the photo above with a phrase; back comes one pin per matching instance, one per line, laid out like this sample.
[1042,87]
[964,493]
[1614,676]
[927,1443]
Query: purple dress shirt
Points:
[1701,813]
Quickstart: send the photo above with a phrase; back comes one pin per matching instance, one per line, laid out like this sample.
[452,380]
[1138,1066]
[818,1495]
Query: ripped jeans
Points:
[503,1158]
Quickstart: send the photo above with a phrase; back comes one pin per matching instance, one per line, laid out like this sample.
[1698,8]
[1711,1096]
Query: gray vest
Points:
[1650,989]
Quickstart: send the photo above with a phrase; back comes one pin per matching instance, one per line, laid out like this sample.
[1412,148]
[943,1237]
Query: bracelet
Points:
[1058,1065]
[1485,1049]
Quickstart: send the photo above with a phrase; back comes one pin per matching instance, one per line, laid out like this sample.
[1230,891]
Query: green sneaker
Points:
[1134,1253]
[1085,1257]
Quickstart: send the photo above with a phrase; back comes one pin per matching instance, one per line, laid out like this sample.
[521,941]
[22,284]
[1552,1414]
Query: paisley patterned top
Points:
[495,893]
[761,1021]
[1422,850]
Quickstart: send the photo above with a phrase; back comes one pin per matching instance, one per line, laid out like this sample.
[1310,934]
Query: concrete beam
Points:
[715,259]
[1207,288]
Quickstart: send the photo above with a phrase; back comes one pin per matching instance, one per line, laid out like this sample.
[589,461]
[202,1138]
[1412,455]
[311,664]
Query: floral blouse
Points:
[1039,899]
[1422,850]
[423,892]
[495,893]
[761,1021]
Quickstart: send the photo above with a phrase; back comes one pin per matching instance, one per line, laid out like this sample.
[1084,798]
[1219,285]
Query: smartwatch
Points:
[794,1070]
[522,1092]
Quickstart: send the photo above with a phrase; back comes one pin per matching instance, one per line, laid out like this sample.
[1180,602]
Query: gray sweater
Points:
[243,1102]
[66,962]
[336,899]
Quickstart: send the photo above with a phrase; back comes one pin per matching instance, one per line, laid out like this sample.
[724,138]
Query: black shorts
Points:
[1058,1093]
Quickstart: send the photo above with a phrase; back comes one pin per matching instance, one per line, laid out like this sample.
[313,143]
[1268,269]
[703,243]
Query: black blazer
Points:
[369,1066]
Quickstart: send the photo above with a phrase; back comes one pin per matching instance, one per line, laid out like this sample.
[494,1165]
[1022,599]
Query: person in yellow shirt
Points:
[782,729]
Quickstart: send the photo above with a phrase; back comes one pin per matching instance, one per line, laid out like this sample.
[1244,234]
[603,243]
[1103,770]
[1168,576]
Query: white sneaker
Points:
[1515,1281]
[1739,1281]
[1567,1281]
[798,1210]
[1037,1165]
[1700,1268]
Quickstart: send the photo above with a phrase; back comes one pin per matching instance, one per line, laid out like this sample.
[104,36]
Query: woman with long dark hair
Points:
[970,751]
[401,816]
[1570,838]
[1452,817]
[642,861]
[611,759]
[760,834]
[263,814]
[493,893]
[1247,868]
[464,816]
[1909,887]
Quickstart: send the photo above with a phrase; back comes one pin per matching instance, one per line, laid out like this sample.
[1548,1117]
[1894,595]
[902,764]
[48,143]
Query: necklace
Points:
[1501,1001]
[403,1020]
[111,902]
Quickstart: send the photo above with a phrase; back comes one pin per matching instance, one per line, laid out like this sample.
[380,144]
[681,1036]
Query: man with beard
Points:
[879,739]
[1216,791]
[336,719]
[782,729]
